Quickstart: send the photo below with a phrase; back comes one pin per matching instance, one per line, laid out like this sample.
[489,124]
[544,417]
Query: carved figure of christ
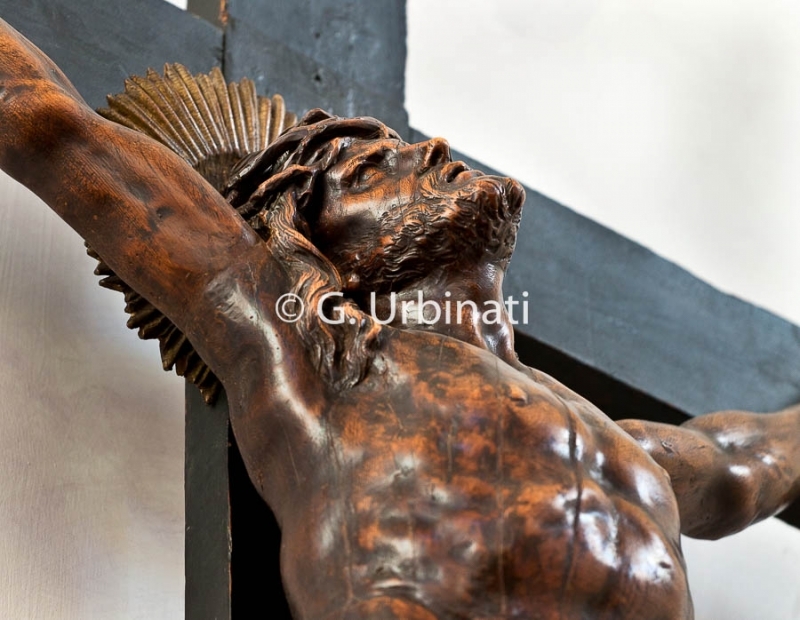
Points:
[417,469]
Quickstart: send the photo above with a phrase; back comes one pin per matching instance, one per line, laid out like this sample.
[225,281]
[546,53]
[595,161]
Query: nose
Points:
[435,151]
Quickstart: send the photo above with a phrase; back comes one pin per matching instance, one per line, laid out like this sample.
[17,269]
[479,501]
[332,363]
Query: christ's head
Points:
[384,212]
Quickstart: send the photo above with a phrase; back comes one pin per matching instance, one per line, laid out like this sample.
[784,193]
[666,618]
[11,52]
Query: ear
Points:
[302,182]
[291,188]
[352,282]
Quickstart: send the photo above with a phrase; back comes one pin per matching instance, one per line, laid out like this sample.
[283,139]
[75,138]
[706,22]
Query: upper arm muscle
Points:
[728,469]
[152,218]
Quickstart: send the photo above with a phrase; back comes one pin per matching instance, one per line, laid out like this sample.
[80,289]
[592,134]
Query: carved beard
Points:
[472,224]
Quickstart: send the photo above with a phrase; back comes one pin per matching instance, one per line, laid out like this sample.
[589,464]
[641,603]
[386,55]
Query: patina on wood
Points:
[417,469]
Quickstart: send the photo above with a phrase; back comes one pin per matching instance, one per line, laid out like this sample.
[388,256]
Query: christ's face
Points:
[372,179]
[385,196]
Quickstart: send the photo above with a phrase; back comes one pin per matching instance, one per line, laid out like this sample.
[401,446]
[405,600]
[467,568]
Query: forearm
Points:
[23,64]
[728,469]
[37,108]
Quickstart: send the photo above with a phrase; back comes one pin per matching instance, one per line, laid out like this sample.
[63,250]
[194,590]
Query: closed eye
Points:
[365,172]
[368,168]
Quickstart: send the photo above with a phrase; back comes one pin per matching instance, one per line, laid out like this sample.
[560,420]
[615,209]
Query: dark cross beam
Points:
[637,335]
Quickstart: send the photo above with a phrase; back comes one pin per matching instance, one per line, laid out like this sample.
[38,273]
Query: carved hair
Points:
[273,190]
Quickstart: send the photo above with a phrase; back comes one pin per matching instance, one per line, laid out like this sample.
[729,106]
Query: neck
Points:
[466,304]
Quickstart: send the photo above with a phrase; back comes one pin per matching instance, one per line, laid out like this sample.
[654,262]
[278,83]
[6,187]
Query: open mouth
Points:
[495,193]
[452,171]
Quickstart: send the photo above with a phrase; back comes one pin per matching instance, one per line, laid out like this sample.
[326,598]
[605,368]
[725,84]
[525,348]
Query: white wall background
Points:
[91,438]
[674,124]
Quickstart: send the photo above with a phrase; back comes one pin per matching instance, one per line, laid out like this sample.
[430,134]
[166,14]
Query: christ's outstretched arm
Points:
[150,216]
[729,469]
[155,221]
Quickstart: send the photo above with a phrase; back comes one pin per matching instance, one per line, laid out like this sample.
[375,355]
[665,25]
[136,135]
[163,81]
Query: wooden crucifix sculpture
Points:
[345,289]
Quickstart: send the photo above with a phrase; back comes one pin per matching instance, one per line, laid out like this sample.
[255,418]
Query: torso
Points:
[478,492]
